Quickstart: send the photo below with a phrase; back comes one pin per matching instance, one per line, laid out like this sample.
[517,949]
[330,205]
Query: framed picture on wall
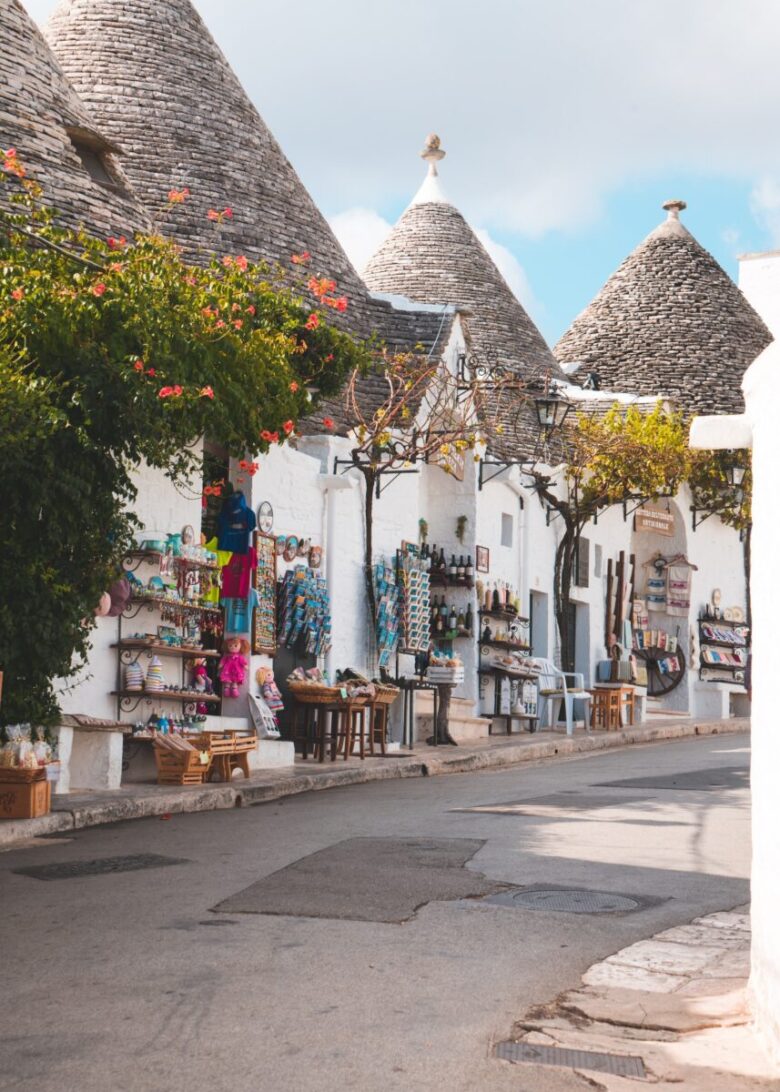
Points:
[264,620]
[483,559]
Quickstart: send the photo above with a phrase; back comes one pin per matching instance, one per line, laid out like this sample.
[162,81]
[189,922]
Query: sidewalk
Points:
[77,810]
[670,1011]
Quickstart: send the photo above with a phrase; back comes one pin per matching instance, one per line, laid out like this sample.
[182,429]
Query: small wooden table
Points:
[613,706]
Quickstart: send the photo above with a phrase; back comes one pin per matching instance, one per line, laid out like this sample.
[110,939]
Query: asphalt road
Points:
[341,939]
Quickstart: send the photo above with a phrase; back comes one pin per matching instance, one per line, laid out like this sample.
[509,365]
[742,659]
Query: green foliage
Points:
[627,453]
[113,352]
[708,479]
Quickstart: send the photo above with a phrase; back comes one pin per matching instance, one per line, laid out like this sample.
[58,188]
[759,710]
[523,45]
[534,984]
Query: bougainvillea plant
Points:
[115,352]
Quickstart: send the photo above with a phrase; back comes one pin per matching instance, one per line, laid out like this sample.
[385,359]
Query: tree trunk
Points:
[564,565]
[746,559]
[441,726]
[370,479]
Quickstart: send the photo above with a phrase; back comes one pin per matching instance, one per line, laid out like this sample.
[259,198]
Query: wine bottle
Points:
[469,569]
[442,563]
[453,573]
[461,621]
[469,621]
[461,569]
[496,601]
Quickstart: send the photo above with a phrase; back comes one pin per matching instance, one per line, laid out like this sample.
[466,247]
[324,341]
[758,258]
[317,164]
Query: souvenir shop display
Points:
[264,617]
[659,662]
[445,670]
[458,572]
[724,647]
[235,524]
[448,621]
[200,680]
[304,611]
[413,579]
[28,766]
[233,666]
[387,596]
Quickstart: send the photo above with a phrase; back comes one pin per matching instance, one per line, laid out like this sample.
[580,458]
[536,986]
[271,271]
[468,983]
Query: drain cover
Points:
[565,901]
[620,1065]
[65,870]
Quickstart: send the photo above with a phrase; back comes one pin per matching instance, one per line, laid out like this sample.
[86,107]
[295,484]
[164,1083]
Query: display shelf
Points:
[498,642]
[168,695]
[452,635]
[440,580]
[140,556]
[132,644]
[159,601]
[505,616]
[723,644]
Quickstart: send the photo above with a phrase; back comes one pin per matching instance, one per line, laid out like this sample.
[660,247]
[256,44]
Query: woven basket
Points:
[314,693]
[386,695]
[20,775]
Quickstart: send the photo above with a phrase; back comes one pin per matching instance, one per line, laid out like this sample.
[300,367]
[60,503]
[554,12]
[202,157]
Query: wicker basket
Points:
[386,694]
[16,775]
[314,693]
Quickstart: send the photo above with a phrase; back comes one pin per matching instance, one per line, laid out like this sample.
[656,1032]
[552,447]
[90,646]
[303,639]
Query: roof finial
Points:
[674,208]
[433,153]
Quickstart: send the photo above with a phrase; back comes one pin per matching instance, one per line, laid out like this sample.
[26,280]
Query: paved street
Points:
[373,961]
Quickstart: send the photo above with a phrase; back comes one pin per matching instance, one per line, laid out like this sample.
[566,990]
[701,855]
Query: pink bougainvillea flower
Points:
[251,309]
[178,197]
[190,281]
[220,324]
[212,214]
[242,263]
[177,390]
[206,392]
[266,435]
[17,294]
[341,303]
[238,323]
[288,426]
[209,312]
[300,259]
[165,392]
[235,307]
[227,261]
[98,289]
[274,437]
[328,422]
[116,244]
[228,214]
[329,358]
[151,371]
[12,164]
[294,386]
[116,267]
[312,322]
[139,365]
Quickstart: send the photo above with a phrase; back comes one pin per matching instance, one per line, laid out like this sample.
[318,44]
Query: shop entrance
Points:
[285,662]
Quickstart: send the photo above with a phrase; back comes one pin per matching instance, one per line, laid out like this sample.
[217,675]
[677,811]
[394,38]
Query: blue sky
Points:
[567,123]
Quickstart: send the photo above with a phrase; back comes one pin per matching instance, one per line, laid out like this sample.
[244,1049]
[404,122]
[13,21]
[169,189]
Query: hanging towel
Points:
[678,593]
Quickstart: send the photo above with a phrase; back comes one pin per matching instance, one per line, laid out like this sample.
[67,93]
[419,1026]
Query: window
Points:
[582,563]
[507,529]
[95,157]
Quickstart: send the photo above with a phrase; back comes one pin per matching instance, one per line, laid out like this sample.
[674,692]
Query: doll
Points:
[233,666]
[200,681]
[269,689]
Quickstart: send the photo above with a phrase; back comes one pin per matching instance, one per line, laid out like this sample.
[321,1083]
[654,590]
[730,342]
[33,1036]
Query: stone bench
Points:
[90,753]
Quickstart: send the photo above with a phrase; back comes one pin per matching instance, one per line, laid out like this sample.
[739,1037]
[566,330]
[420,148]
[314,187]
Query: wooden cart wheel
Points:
[661,682]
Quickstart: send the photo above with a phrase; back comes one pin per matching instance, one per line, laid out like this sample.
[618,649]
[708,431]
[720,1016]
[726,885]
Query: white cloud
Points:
[765,206]
[545,109]
[511,270]
[361,232]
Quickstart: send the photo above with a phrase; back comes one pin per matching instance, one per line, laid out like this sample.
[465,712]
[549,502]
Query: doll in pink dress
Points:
[233,666]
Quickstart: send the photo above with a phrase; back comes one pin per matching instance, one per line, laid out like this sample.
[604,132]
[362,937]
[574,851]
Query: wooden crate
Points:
[181,766]
[24,799]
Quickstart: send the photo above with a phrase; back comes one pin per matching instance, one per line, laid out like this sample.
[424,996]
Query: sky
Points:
[567,123]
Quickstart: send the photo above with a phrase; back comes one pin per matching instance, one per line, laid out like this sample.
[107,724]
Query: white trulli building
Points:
[142,83]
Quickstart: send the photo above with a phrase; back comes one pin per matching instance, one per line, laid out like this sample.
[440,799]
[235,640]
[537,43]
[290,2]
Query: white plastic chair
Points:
[556,693]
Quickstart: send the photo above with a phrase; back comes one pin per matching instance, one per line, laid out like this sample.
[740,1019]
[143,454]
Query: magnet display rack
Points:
[724,648]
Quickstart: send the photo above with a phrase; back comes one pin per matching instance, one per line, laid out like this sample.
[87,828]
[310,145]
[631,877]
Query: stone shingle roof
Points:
[39,113]
[159,85]
[433,256]
[669,321]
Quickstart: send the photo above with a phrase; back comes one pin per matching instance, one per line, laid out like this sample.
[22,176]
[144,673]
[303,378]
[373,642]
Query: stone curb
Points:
[263,789]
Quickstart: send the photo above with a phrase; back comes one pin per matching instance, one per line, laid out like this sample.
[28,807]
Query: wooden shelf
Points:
[183,604]
[186,562]
[167,650]
[498,642]
[452,635]
[505,616]
[168,695]
[722,644]
[439,580]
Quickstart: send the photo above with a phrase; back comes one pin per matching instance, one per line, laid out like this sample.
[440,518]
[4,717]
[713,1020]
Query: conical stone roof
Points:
[433,256]
[40,116]
[159,85]
[669,321]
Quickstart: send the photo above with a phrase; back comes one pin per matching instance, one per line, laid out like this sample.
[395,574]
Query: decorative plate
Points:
[265,517]
[737,614]
[315,557]
[187,534]
[728,615]
[303,547]
[281,543]
[291,549]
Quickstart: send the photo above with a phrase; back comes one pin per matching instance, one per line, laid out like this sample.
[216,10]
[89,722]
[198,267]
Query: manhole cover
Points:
[566,901]
[620,1065]
[65,870]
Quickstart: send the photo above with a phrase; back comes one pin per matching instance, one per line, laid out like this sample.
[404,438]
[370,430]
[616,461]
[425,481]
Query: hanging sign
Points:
[654,522]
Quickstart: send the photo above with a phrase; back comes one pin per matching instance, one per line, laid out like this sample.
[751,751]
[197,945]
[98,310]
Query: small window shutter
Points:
[583,562]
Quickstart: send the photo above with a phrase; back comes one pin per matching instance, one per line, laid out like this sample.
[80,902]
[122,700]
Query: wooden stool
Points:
[355,728]
[606,709]
[626,704]
[377,732]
